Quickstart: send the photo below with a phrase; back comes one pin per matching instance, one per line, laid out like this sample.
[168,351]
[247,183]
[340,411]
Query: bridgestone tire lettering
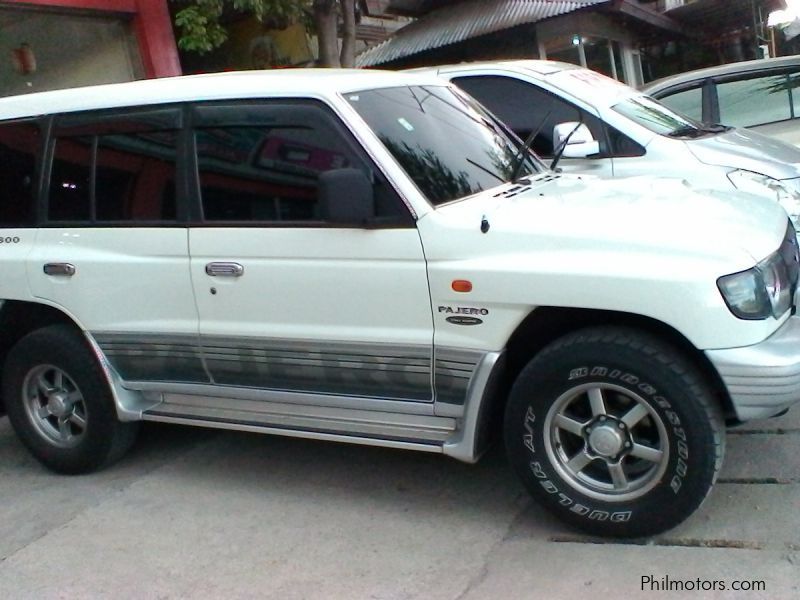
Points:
[673,391]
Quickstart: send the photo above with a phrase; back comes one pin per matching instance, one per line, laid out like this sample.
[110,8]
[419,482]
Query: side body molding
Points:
[130,404]
[470,440]
[461,428]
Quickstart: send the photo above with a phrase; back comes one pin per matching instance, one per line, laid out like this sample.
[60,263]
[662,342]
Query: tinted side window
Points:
[758,100]
[526,108]
[262,173]
[621,146]
[688,102]
[135,177]
[71,180]
[261,163]
[19,148]
[114,169]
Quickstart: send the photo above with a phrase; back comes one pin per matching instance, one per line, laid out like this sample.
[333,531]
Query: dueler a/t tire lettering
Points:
[615,432]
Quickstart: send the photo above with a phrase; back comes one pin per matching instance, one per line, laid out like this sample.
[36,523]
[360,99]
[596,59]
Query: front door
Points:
[288,301]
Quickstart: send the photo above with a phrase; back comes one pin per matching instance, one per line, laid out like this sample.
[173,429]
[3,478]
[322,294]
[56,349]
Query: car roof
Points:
[746,66]
[215,86]
[540,67]
[590,86]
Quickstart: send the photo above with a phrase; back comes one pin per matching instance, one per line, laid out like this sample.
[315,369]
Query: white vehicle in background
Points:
[623,132]
[367,257]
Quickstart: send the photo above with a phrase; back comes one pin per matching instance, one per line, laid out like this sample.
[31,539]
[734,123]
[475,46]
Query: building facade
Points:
[50,44]
[631,40]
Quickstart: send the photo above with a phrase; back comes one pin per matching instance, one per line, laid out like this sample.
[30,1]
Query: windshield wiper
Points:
[696,131]
[519,159]
[716,128]
[684,131]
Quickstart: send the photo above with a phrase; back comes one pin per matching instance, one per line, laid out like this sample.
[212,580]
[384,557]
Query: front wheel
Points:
[59,402]
[615,432]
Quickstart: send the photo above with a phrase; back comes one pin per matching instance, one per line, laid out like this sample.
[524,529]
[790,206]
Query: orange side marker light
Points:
[461,285]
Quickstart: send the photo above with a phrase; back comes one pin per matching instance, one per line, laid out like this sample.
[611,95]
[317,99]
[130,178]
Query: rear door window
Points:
[115,168]
[757,100]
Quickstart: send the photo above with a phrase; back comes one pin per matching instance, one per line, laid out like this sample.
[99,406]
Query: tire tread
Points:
[612,340]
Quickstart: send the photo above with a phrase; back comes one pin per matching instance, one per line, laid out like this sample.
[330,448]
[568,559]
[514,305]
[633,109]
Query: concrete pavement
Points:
[194,513]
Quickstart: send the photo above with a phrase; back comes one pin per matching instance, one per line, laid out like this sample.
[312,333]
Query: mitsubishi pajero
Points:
[366,257]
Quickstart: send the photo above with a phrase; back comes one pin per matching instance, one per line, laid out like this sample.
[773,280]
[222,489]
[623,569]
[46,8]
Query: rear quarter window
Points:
[19,149]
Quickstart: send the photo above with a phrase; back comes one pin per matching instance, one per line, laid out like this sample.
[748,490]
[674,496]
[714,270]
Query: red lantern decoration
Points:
[23,59]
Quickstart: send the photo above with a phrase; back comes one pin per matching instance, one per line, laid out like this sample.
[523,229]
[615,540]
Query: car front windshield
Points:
[447,145]
[658,118]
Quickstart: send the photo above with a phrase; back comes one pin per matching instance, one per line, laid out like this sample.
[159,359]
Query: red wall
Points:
[151,24]
[153,27]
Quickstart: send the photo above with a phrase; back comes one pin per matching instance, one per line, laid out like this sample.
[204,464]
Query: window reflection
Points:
[445,144]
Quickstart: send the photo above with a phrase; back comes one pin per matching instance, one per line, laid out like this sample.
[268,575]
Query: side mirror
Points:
[581,144]
[346,197]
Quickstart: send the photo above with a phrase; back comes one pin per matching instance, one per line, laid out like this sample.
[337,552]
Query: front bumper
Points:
[762,379]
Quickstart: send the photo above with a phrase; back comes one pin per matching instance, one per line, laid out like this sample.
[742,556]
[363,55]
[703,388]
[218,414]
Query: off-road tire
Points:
[677,425]
[99,437]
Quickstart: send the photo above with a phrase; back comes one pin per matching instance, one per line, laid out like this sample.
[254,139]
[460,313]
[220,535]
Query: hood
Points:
[748,150]
[638,214]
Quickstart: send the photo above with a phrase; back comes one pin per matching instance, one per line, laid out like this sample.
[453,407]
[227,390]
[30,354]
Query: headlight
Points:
[767,289]
[761,185]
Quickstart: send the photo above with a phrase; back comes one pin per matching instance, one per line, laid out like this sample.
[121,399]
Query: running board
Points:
[410,431]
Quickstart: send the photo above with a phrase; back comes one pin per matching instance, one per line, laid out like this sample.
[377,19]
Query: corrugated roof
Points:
[464,21]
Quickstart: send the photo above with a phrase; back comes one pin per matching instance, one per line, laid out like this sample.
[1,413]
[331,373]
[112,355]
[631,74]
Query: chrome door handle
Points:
[224,269]
[61,269]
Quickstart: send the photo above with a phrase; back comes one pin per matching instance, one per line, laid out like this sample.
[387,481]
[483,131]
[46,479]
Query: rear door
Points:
[112,250]
[20,149]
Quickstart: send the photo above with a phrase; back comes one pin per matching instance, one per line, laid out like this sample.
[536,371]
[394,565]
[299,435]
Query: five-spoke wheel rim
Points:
[55,405]
[606,441]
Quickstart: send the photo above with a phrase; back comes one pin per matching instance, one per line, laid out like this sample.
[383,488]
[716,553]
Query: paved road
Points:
[203,514]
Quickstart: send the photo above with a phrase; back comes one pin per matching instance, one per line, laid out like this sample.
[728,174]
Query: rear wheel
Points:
[615,432]
[59,403]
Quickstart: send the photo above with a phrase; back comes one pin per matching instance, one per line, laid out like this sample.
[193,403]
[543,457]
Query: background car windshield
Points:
[445,144]
[650,113]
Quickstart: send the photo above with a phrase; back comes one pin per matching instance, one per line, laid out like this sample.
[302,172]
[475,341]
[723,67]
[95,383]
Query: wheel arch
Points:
[19,318]
[545,324]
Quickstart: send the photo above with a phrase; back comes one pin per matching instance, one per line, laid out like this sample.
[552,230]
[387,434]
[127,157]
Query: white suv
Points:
[621,132]
[365,257]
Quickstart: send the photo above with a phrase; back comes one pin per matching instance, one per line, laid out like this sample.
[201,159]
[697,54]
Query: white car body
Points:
[365,333]
[731,159]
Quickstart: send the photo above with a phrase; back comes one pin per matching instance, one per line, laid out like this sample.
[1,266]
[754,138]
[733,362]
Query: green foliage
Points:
[199,25]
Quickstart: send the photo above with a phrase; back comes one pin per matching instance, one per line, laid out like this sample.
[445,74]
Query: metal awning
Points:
[467,20]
